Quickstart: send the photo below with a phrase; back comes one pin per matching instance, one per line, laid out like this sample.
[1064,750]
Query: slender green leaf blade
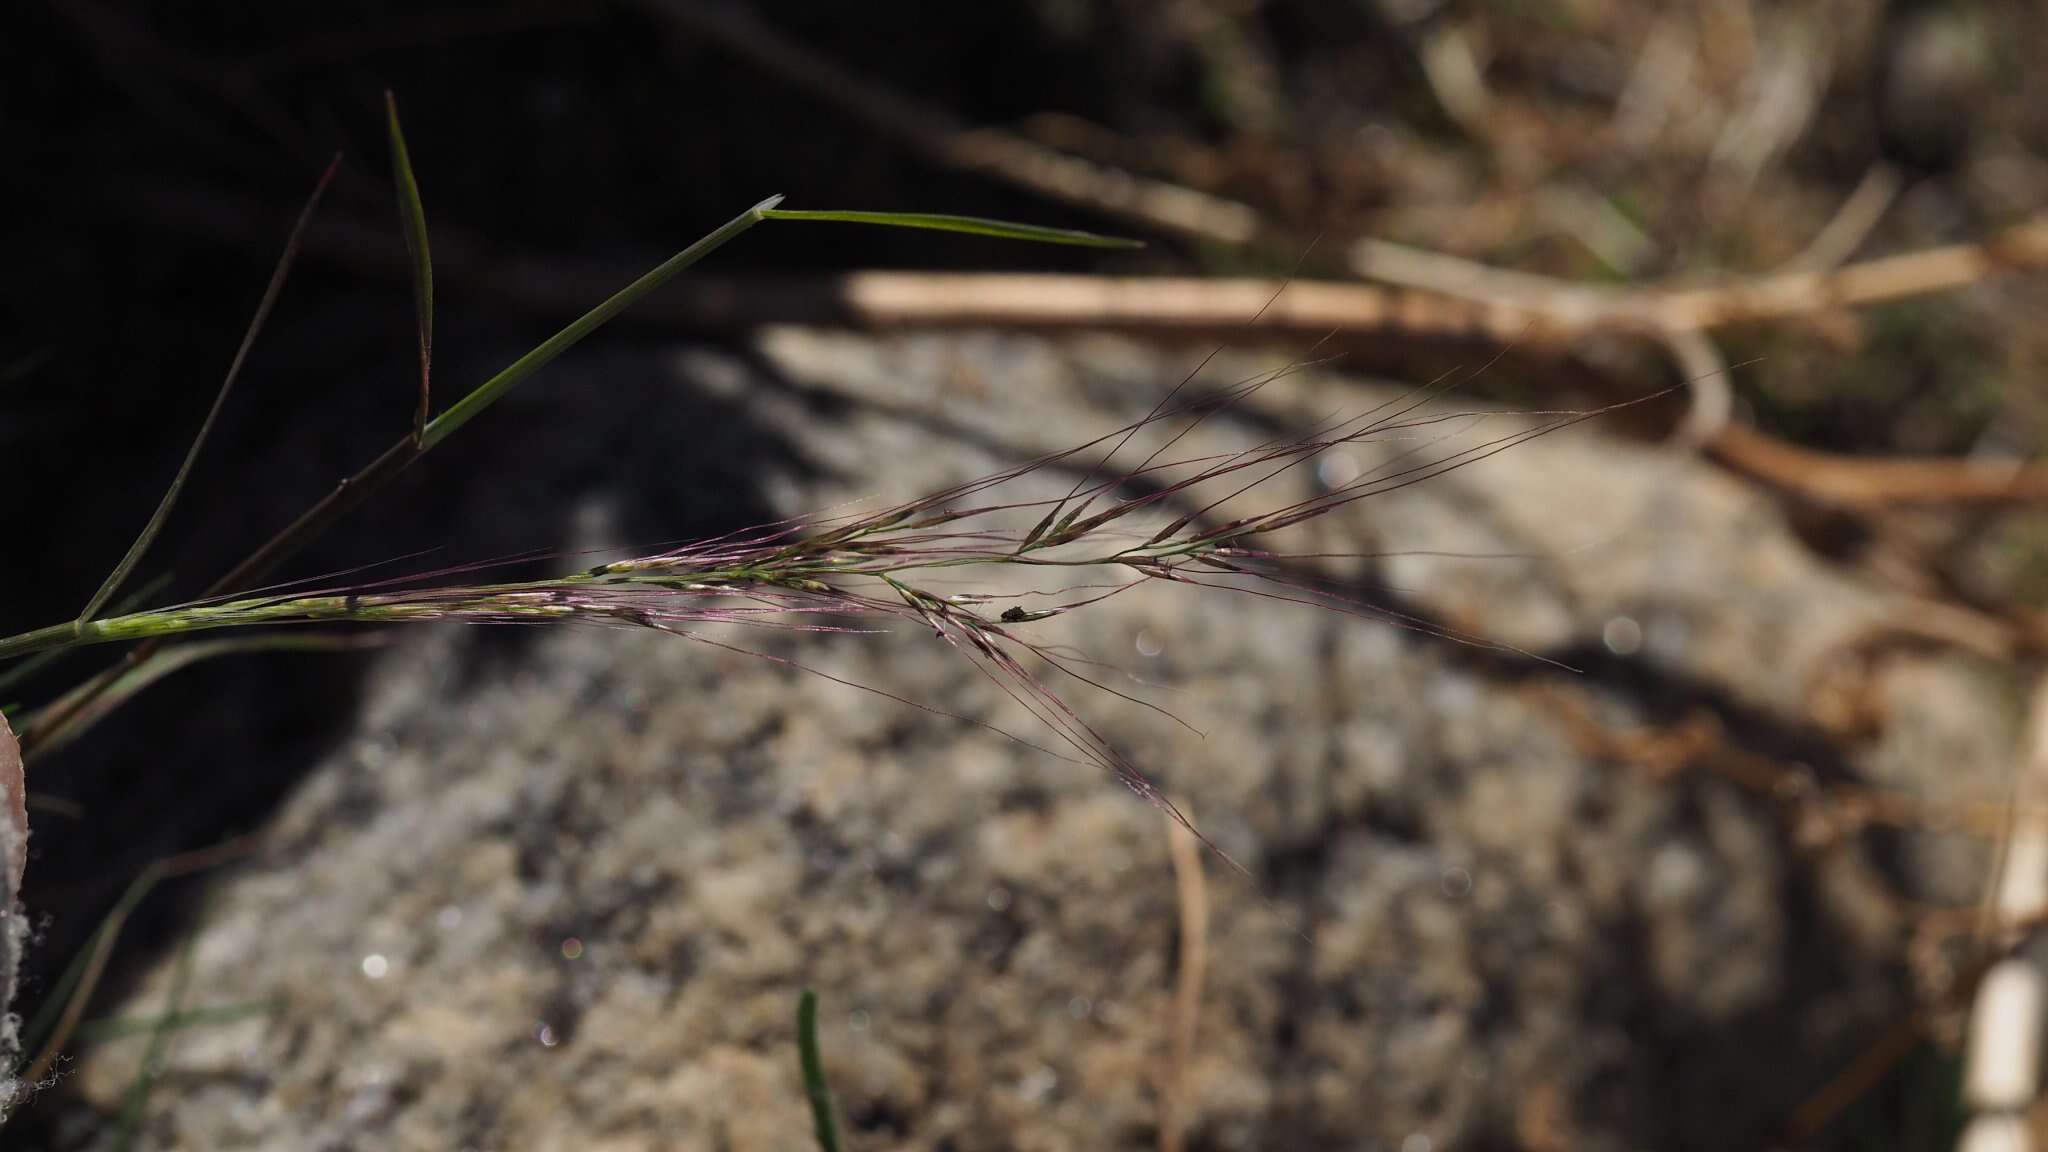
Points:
[154,1059]
[116,1027]
[972,225]
[414,217]
[488,392]
[822,1123]
[227,385]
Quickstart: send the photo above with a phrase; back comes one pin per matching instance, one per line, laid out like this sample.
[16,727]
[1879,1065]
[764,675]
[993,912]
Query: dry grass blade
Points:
[154,1059]
[227,384]
[1191,891]
[413,216]
[2001,1064]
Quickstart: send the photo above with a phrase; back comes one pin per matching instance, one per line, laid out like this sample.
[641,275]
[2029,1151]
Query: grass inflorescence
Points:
[1178,519]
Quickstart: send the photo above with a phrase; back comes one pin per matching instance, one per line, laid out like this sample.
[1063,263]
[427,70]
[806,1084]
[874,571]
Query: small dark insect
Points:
[1015,615]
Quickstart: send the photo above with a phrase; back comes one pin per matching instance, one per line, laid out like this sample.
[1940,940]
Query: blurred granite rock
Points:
[563,893]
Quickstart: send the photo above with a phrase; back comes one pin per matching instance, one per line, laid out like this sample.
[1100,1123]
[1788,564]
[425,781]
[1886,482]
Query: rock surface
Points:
[564,893]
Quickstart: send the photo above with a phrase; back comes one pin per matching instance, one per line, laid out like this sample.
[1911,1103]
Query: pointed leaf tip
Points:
[970,225]
[412,215]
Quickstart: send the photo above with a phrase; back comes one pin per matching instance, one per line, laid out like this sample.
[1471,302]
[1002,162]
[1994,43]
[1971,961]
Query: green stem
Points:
[538,600]
[57,636]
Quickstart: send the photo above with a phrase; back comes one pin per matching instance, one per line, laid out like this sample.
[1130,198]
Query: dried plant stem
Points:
[1865,482]
[2002,1063]
[1191,892]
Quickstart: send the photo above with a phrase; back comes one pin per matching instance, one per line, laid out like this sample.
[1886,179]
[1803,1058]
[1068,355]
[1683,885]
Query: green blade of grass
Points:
[154,1059]
[414,217]
[227,384]
[114,1028]
[826,1129]
[971,225]
[488,393]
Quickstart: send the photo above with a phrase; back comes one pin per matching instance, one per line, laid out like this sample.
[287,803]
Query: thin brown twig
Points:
[1864,1073]
[1851,224]
[1856,482]
[1191,892]
[2001,1067]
